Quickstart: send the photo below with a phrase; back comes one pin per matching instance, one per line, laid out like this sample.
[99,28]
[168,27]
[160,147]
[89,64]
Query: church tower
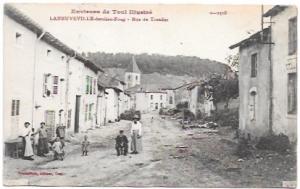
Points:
[132,74]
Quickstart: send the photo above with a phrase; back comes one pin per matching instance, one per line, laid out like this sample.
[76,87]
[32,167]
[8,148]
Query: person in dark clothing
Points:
[121,144]
[60,132]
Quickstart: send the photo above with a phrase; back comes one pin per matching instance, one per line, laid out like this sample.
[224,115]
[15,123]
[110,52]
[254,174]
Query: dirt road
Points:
[171,157]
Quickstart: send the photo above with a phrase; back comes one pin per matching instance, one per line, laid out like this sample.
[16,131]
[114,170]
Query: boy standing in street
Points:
[85,145]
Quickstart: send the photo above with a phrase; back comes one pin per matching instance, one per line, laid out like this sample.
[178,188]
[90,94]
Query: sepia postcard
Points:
[150,95]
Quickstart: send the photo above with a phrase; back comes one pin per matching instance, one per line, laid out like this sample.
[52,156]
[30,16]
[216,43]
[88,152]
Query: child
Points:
[121,144]
[58,149]
[85,145]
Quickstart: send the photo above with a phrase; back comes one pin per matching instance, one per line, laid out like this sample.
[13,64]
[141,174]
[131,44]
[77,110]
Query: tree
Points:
[233,61]
[222,90]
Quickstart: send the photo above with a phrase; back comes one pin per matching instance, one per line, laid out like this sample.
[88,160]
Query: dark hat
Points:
[26,123]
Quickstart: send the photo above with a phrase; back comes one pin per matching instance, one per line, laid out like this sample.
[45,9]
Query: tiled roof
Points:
[253,38]
[274,11]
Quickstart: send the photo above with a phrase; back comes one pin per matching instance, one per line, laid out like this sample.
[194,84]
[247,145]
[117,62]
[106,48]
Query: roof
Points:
[274,11]
[133,67]
[152,92]
[193,85]
[252,39]
[107,81]
[186,85]
[47,37]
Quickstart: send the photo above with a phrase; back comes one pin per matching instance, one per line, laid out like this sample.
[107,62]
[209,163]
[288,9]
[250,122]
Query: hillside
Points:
[155,80]
[162,64]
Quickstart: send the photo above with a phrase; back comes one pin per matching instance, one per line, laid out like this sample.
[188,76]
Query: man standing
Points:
[42,141]
[26,138]
[136,135]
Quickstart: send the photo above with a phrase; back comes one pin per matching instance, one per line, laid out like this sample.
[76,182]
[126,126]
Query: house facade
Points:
[43,82]
[268,77]
[200,102]
[284,70]
[254,82]
[170,104]
[151,100]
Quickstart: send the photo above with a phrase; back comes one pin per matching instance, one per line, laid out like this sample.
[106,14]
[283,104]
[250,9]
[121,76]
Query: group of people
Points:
[136,139]
[38,140]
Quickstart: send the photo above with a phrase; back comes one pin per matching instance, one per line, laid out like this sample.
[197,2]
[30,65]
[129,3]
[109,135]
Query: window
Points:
[55,84]
[129,77]
[161,105]
[87,85]
[90,111]
[151,97]
[160,97]
[91,85]
[252,105]
[48,52]
[254,65]
[18,38]
[86,112]
[45,85]
[292,36]
[292,93]
[95,84]
[171,100]
[69,118]
[136,77]
[15,108]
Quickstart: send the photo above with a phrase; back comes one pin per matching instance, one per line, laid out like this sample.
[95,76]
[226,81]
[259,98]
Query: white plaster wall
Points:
[18,76]
[282,122]
[260,125]
[112,105]
[55,66]
[76,87]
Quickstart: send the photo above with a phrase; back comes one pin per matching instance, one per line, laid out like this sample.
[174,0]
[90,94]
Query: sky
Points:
[191,29]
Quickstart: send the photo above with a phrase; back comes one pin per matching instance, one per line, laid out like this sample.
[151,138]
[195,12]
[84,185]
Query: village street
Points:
[171,157]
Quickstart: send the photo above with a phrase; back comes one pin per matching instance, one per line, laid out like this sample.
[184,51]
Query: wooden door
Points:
[50,123]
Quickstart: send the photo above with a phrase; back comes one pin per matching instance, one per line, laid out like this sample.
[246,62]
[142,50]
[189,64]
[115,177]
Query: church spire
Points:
[133,67]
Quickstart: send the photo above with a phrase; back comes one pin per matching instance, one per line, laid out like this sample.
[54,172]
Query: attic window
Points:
[62,57]
[18,37]
[48,52]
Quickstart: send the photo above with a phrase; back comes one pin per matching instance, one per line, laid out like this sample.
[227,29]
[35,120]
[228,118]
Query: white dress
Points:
[28,146]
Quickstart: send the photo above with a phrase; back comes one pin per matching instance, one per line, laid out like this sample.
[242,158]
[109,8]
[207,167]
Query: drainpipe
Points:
[34,77]
[67,88]
[271,82]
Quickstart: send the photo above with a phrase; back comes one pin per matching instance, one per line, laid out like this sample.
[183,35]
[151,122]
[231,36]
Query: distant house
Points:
[171,103]
[101,105]
[150,100]
[115,98]
[267,77]
[45,80]
[200,101]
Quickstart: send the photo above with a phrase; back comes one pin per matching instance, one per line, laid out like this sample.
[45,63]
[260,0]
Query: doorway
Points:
[50,123]
[77,113]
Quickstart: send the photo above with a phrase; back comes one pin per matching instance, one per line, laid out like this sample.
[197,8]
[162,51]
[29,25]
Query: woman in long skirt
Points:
[27,145]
